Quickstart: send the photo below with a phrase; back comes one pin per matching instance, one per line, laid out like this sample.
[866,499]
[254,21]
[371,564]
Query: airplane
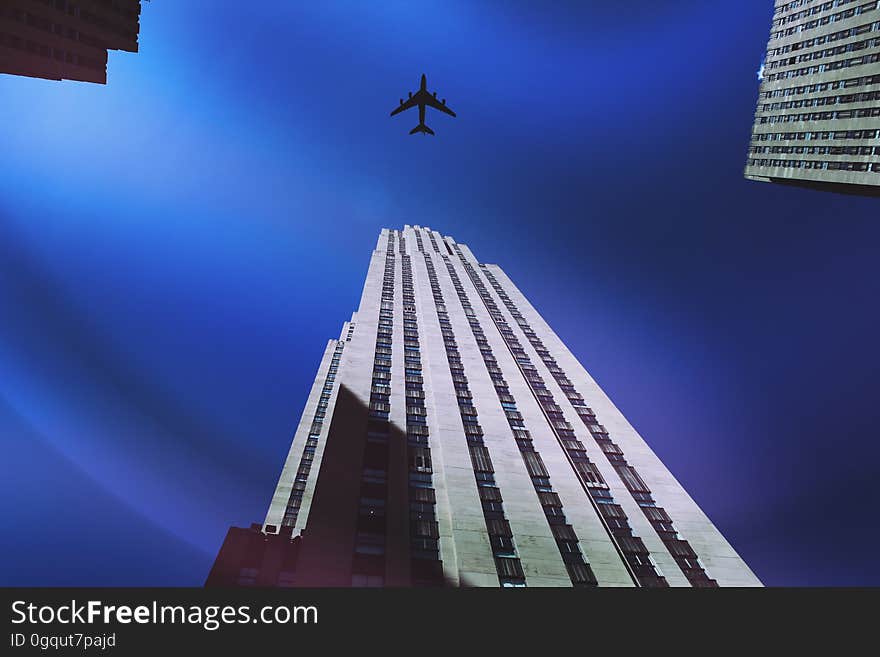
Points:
[421,99]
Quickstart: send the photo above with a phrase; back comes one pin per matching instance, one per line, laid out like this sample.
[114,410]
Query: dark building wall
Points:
[65,39]
[328,539]
[324,556]
[250,557]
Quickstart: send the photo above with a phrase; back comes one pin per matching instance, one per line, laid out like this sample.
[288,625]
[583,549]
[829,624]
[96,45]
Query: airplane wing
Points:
[405,106]
[436,104]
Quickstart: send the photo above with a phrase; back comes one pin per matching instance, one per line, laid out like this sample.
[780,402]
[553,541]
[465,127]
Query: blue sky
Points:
[179,245]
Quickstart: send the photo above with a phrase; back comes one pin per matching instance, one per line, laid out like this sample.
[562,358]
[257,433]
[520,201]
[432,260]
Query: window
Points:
[554,514]
[421,494]
[373,476]
[509,568]
[286,578]
[480,458]
[549,499]
[657,514]
[589,472]
[498,527]
[420,459]
[490,494]
[420,480]
[369,543]
[612,511]
[631,545]
[534,464]
[367,580]
[564,532]
[632,480]
[681,549]
[372,506]
[493,509]
[426,528]
[417,430]
[581,573]
[542,484]
[248,576]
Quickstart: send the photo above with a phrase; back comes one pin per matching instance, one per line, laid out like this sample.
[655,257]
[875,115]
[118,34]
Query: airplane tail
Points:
[421,127]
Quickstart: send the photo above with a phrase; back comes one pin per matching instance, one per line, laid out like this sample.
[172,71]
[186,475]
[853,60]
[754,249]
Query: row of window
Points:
[825,20]
[871,58]
[51,27]
[632,547]
[507,563]
[822,101]
[818,87]
[817,150]
[59,55]
[579,570]
[836,115]
[793,17]
[791,6]
[826,38]
[855,46]
[817,135]
[77,11]
[121,7]
[816,165]
[794,4]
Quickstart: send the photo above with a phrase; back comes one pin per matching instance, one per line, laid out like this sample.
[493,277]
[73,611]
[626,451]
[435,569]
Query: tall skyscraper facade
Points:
[65,39]
[451,439]
[818,117]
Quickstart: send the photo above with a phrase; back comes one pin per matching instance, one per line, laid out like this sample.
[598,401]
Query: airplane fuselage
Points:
[423,87]
[422,99]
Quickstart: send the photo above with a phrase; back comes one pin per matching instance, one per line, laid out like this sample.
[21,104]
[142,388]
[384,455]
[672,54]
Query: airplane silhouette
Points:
[423,98]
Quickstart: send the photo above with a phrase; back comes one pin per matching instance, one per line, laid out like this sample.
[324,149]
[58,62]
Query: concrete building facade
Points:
[451,439]
[818,118]
[65,39]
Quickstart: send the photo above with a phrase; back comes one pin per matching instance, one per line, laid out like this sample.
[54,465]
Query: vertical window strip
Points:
[579,570]
[635,554]
[681,551]
[433,242]
[426,566]
[294,502]
[507,562]
[368,561]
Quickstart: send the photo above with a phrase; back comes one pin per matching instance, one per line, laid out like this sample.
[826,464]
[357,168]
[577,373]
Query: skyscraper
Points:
[818,118]
[450,438]
[65,39]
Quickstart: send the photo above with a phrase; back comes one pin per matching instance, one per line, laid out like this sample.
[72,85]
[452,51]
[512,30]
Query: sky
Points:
[178,246]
